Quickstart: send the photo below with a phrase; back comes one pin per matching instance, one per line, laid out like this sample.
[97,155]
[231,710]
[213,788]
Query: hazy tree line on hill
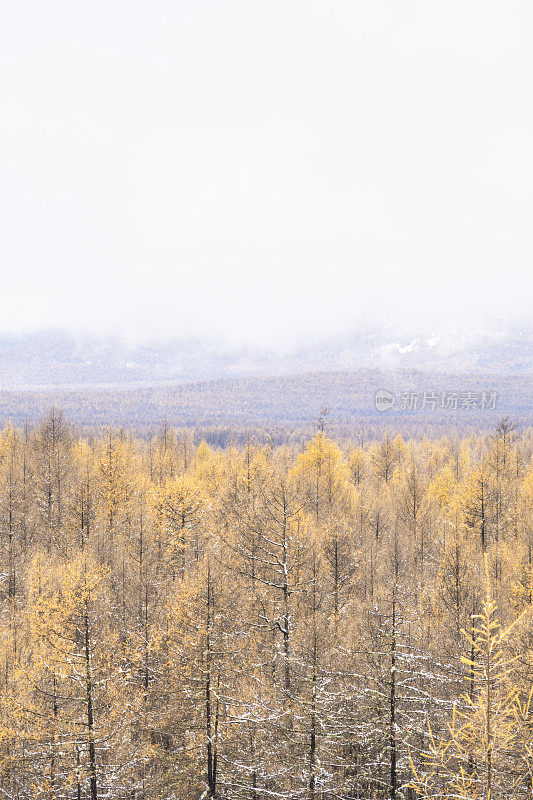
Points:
[58,358]
[229,410]
[291,622]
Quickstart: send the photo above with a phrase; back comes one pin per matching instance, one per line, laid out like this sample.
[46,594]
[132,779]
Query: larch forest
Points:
[320,620]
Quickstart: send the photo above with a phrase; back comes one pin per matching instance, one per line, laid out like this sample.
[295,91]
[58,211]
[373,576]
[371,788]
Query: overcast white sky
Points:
[263,169]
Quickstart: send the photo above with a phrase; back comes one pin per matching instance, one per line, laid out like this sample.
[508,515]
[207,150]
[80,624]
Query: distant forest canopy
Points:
[283,408]
[59,359]
[302,622]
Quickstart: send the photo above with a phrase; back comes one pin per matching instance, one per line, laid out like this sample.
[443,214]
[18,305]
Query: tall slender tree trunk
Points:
[89,689]
[54,737]
[312,746]
[211,714]
[392,700]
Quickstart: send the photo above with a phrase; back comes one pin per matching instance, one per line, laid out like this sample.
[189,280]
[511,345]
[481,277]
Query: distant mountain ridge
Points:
[281,407]
[56,359]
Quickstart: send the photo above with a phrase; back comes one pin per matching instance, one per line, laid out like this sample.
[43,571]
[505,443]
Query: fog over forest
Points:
[266,361]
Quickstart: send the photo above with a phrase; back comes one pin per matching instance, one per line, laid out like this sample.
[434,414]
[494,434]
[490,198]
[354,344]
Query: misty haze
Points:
[266,454]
